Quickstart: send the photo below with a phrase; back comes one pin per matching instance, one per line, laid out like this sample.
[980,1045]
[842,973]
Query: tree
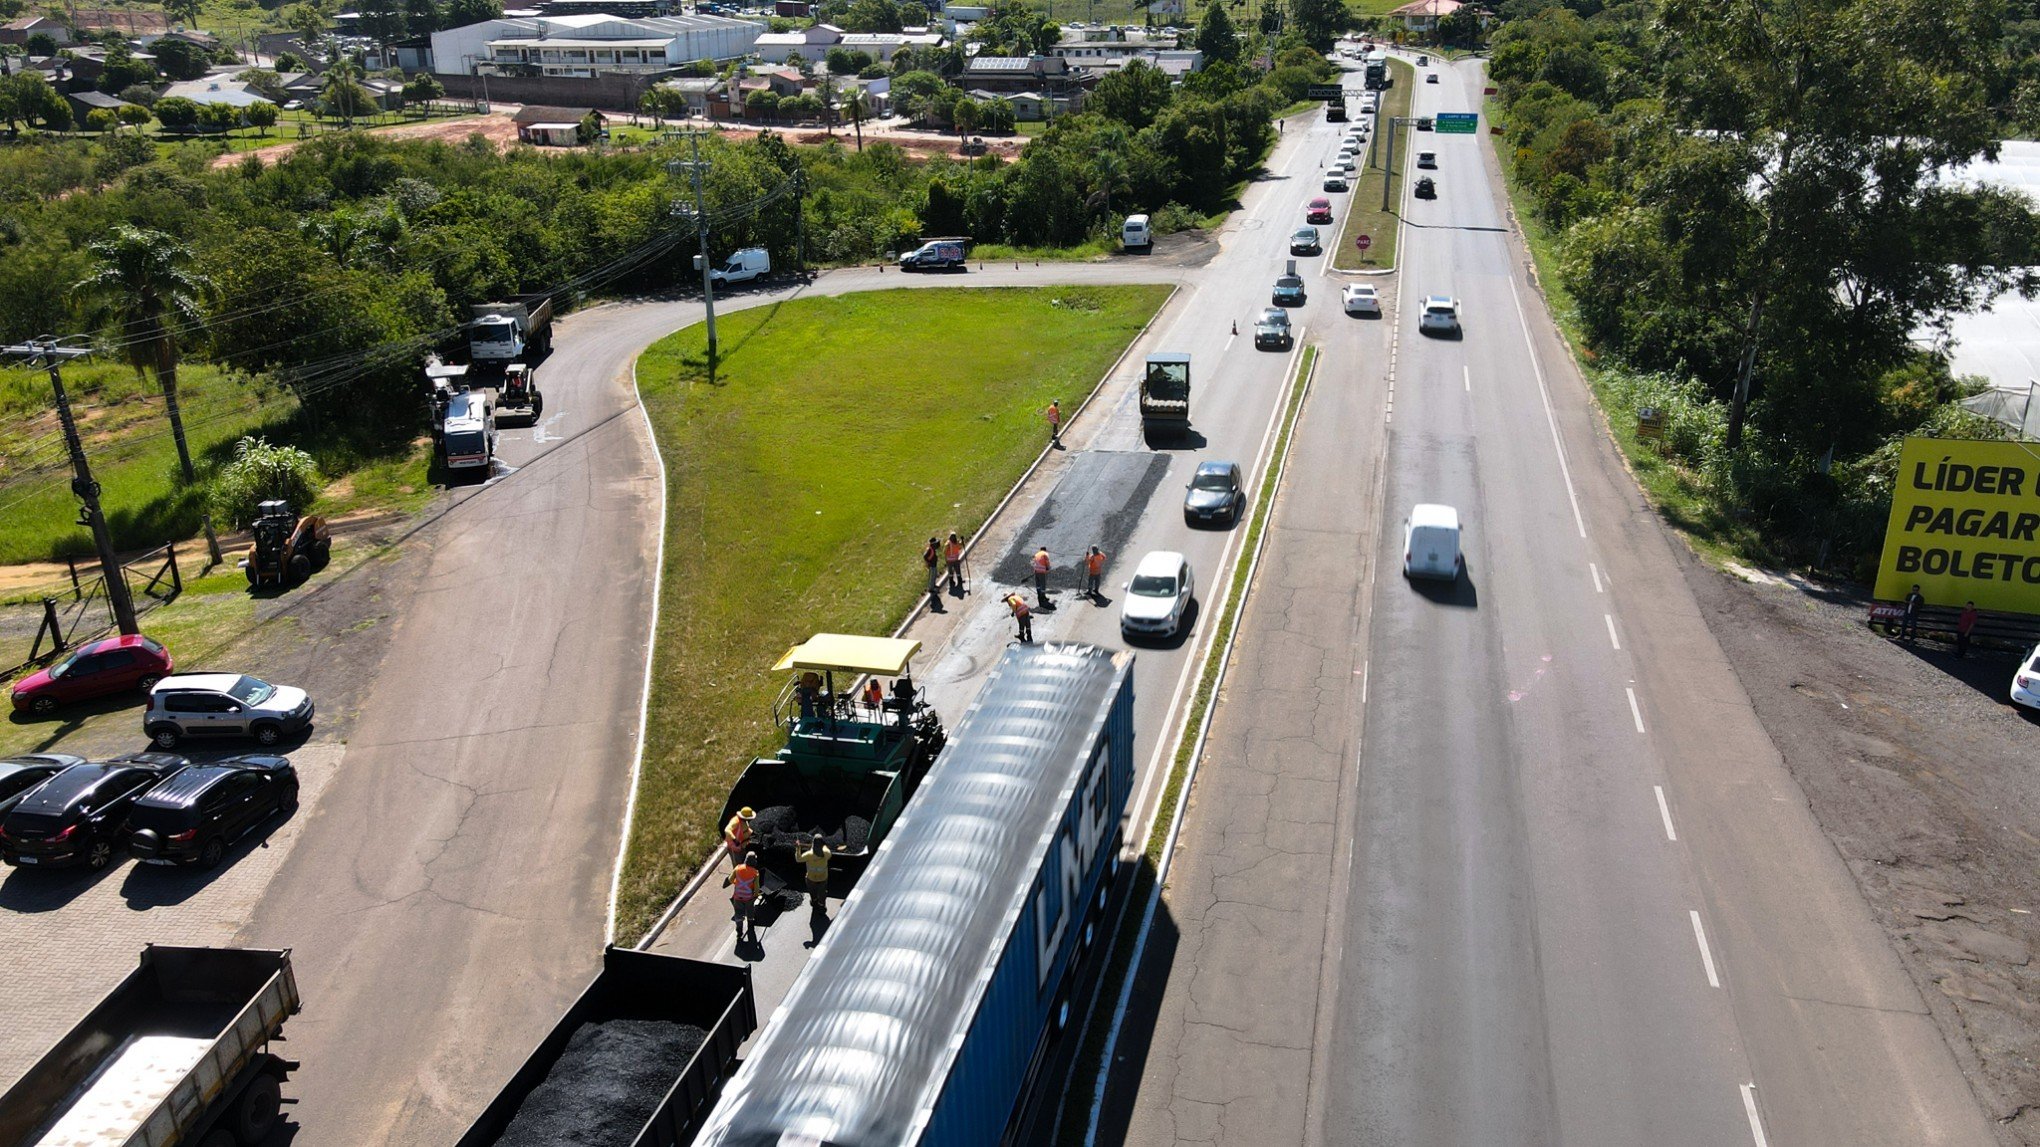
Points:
[856,103]
[144,286]
[796,61]
[765,103]
[1108,178]
[1134,95]
[309,20]
[843,61]
[424,88]
[1216,37]
[180,59]
[42,44]
[343,94]
[101,120]
[289,61]
[1319,22]
[184,12]
[913,91]
[261,472]
[1461,27]
[423,17]
[177,113]
[121,70]
[996,116]
[873,16]
[589,129]
[263,82]
[461,13]
[261,116]
[381,21]
[222,118]
[965,113]
[133,115]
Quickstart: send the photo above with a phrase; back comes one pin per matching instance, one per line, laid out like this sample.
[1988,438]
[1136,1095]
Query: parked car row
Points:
[64,812]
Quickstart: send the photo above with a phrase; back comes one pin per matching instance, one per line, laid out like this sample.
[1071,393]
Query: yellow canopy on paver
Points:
[884,656]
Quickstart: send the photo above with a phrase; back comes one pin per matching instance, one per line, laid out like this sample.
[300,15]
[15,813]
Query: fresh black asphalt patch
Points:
[1097,502]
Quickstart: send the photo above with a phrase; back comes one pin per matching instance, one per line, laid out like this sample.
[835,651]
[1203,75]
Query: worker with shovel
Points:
[737,836]
[747,884]
[815,857]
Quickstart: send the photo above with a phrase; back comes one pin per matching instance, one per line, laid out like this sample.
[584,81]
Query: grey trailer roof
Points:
[858,1053]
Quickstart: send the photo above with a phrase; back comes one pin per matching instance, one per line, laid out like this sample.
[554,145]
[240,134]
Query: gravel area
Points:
[605,1085]
[1927,780]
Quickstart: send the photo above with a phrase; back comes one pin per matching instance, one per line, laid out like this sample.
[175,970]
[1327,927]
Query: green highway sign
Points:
[1457,123]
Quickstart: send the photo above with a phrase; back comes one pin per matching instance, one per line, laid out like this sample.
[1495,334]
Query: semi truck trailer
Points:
[175,1056]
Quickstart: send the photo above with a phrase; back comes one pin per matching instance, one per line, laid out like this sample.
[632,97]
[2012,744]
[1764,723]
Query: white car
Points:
[1439,314]
[1159,596]
[1431,543]
[1361,299]
[1344,168]
[2026,681]
[1335,181]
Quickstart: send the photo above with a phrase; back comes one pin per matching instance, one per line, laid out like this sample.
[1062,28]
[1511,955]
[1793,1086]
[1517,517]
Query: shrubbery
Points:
[262,472]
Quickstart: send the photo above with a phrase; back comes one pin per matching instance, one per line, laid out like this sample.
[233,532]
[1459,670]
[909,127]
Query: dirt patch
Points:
[920,144]
[496,127]
[1927,780]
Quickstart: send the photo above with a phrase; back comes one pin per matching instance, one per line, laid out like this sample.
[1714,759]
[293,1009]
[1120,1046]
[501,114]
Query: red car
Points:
[95,669]
[1320,211]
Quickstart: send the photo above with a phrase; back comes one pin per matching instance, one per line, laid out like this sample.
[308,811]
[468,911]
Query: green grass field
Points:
[838,434]
[1365,215]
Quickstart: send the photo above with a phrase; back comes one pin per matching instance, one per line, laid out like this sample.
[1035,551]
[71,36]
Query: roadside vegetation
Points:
[1364,213]
[1693,216]
[837,435]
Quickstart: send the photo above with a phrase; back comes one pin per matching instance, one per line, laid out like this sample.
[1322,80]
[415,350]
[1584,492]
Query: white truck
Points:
[1137,234]
[744,265]
[502,333]
[469,435]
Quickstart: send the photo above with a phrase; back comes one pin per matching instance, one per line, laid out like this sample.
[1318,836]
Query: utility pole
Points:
[1388,161]
[701,228]
[46,353]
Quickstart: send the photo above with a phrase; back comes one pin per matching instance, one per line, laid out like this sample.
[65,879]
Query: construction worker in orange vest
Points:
[1041,577]
[1094,568]
[1054,414]
[746,885]
[874,696]
[736,835]
[952,555]
[1021,615]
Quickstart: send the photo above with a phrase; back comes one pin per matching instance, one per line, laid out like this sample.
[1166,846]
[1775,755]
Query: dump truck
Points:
[635,1062]
[289,547]
[1165,396]
[176,1054]
[933,1009]
[848,767]
[502,333]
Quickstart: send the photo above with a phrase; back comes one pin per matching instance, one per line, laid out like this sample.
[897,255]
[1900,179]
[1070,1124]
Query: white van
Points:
[1431,543]
[1136,235]
[470,438]
[744,265]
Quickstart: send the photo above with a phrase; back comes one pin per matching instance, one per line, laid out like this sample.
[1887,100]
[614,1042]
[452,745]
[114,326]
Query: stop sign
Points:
[1362,242]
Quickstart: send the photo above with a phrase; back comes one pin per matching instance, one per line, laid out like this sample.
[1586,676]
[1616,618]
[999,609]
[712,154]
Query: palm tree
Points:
[1108,174]
[145,287]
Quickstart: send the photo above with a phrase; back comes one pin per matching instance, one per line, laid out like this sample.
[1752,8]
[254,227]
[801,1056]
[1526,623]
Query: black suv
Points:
[80,816]
[20,774]
[192,817]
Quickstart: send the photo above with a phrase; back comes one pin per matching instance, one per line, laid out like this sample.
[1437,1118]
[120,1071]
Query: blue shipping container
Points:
[926,1010]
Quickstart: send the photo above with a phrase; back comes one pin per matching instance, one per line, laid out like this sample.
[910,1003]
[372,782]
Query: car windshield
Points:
[1439,308]
[464,442]
[1212,480]
[1289,281]
[252,690]
[1151,585]
[63,667]
[492,333]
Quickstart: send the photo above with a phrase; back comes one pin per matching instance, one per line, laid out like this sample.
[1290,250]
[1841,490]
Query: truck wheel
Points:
[537,405]
[260,1107]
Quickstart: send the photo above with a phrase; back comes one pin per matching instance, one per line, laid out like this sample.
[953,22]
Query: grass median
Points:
[838,434]
[1364,213]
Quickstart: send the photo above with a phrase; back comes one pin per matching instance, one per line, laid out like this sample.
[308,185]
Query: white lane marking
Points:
[1665,811]
[637,756]
[1612,639]
[1596,571]
[1233,338]
[1706,957]
[1467,371]
[1543,391]
[1749,1106]
[1633,710]
[1364,667]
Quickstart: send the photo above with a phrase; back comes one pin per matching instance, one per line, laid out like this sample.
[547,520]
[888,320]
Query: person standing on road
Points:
[1964,624]
[952,557]
[1913,602]
[1021,616]
[932,558]
[815,857]
[1040,564]
[737,835]
[746,882]
[1094,568]
[1054,421]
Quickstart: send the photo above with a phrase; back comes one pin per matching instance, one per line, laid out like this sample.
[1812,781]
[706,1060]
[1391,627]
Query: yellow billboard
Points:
[1965,525]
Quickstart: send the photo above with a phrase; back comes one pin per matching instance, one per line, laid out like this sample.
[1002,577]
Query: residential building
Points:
[1176,63]
[699,91]
[1003,74]
[812,43]
[1422,16]
[88,63]
[553,127]
[589,45]
[1028,107]
[84,103]
[882,45]
[17,32]
[214,89]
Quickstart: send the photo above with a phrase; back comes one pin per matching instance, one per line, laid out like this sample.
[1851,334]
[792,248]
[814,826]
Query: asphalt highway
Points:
[1506,861]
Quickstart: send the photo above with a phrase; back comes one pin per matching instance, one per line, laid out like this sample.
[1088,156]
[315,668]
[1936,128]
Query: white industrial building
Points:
[589,44]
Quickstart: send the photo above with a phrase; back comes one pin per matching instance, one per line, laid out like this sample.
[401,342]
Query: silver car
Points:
[214,706]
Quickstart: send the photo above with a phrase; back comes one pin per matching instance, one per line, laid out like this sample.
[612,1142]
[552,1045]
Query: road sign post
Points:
[1456,123]
[1362,242]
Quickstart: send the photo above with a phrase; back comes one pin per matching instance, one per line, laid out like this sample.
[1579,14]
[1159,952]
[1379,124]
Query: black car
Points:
[192,817]
[20,774]
[80,816]
[1426,189]
[1215,494]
